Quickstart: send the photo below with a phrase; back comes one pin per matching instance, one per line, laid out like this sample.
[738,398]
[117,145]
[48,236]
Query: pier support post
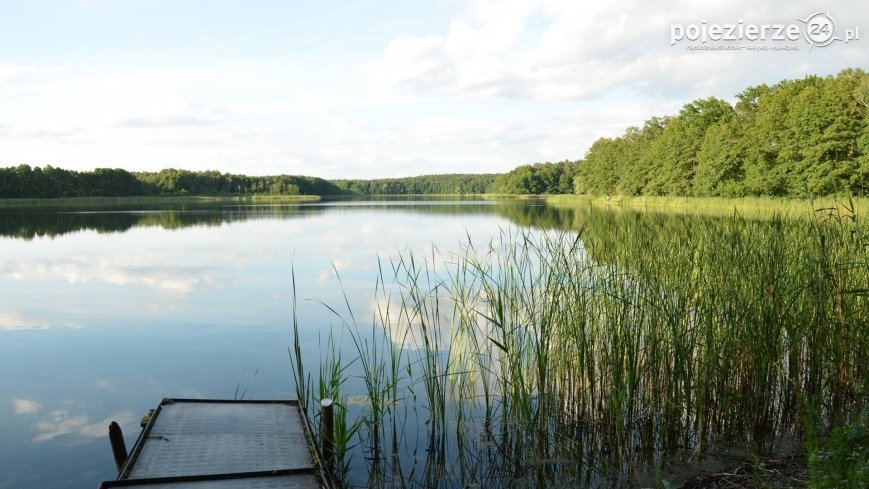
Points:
[119,448]
[327,432]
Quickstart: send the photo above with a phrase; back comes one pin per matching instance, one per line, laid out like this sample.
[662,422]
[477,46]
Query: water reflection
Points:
[25,406]
[16,320]
[76,428]
[140,268]
[104,311]
[32,223]
[39,222]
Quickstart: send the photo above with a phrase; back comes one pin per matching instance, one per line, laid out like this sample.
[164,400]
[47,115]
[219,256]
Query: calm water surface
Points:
[105,311]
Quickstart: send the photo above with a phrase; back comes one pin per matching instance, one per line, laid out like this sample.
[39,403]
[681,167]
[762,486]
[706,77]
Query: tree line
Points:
[539,178]
[801,137]
[183,182]
[48,182]
[451,184]
[23,181]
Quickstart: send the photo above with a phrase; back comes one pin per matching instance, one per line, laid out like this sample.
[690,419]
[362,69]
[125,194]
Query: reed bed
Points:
[756,207]
[599,356]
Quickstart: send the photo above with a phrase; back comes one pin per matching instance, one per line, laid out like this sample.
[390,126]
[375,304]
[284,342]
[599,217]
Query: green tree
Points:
[719,169]
[825,126]
[682,140]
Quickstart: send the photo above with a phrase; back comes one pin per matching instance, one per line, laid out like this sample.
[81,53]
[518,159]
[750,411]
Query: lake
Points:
[482,343]
[104,311]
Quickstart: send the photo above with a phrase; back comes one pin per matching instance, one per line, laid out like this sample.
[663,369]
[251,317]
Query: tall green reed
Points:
[573,355]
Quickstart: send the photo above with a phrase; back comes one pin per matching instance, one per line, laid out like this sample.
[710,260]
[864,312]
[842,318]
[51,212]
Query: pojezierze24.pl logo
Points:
[818,30]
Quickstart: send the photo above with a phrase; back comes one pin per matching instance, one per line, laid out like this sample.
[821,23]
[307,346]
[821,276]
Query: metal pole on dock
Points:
[327,432]
[119,448]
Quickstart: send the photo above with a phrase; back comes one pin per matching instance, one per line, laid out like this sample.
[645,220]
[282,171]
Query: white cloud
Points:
[136,268]
[12,320]
[15,75]
[15,321]
[62,422]
[567,50]
[169,120]
[172,283]
[25,406]
[59,423]
[193,115]
[54,133]
[407,328]
[324,277]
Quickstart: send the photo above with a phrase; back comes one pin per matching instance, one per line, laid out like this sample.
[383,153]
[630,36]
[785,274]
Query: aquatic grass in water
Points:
[595,357]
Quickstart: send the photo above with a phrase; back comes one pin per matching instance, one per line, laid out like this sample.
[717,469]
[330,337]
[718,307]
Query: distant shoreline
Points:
[117,201]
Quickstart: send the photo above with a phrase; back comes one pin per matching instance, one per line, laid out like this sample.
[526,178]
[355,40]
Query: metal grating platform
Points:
[197,444]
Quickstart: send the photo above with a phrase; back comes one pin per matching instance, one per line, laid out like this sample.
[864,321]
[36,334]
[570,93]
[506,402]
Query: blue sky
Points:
[368,89]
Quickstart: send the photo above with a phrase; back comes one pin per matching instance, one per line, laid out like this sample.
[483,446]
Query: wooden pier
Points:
[197,444]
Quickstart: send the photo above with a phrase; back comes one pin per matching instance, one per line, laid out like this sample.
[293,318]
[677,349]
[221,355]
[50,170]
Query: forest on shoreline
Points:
[24,181]
[799,138]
